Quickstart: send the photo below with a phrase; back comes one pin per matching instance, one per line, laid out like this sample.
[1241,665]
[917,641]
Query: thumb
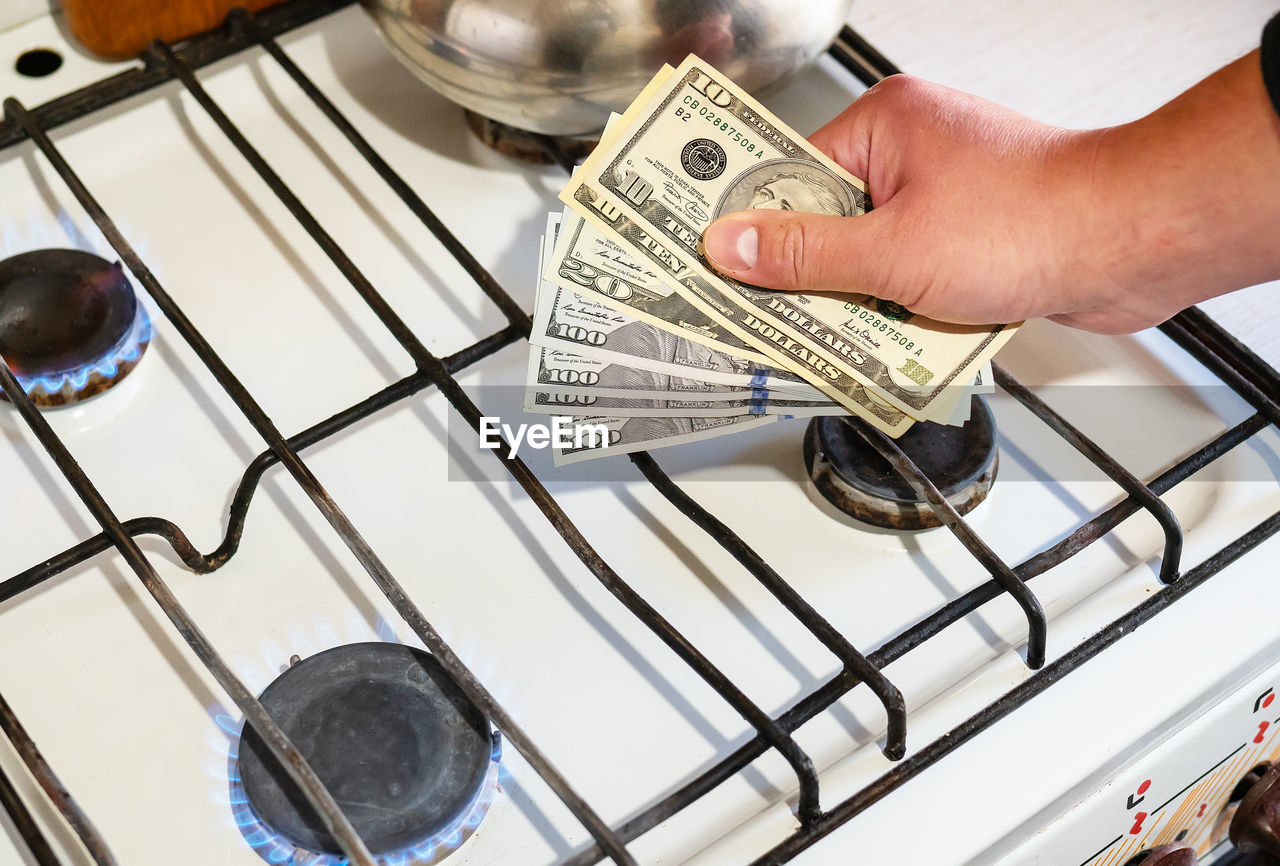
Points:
[801,251]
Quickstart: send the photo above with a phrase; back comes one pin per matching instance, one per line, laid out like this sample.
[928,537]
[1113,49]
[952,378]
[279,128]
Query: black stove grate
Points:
[1234,364]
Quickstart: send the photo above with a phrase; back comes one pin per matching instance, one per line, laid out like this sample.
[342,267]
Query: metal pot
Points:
[560,66]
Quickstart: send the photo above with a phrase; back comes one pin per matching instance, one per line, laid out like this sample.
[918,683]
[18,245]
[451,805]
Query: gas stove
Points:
[248,519]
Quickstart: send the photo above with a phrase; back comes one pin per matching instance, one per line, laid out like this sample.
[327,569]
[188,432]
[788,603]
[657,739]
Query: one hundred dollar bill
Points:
[576,374]
[853,394]
[681,399]
[574,324]
[571,323]
[627,435]
[561,381]
[695,132]
[586,262]
[560,402]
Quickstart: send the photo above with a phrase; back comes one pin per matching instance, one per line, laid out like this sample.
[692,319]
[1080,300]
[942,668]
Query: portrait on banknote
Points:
[787,184]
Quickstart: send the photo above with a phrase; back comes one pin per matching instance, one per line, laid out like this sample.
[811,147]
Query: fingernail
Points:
[732,245]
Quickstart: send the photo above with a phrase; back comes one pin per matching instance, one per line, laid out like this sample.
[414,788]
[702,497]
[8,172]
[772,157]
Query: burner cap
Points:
[524,145]
[852,476]
[70,324]
[388,732]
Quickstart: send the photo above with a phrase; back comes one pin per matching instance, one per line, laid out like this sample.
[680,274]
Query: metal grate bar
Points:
[1037,625]
[889,695]
[1084,536]
[24,823]
[290,758]
[205,563]
[727,767]
[898,646]
[53,788]
[1248,364]
[861,58]
[1196,336]
[1128,482]
[555,152]
[332,513]
[1019,695]
[515,315]
[1112,517]
[162,53]
[896,740]
[198,52]
[870,66]
[659,625]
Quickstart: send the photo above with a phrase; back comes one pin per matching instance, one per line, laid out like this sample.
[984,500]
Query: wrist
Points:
[1096,223]
[1188,197]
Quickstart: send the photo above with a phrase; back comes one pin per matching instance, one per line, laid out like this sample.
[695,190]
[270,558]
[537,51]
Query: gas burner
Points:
[524,145]
[405,754]
[70,324]
[852,476]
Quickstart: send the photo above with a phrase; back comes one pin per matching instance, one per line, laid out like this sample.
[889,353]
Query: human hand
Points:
[983,215]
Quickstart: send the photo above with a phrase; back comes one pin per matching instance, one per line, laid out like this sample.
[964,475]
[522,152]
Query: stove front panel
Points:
[1185,787]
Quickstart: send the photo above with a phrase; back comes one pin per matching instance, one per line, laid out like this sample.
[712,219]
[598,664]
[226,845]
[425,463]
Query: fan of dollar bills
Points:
[634,333]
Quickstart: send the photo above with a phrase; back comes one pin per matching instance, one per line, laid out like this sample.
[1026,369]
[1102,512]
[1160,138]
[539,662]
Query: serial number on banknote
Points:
[876,323]
[718,122]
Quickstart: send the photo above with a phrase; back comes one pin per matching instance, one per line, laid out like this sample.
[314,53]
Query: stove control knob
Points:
[1173,854]
[1256,825]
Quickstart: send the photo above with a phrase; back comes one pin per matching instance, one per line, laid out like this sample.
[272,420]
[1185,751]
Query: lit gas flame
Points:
[270,845]
[274,848]
[127,351]
[36,235]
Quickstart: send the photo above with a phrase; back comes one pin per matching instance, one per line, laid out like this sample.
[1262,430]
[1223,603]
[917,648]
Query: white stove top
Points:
[126,715]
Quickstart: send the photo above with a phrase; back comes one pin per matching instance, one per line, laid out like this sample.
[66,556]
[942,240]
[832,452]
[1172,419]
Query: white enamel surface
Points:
[124,713]
[17,12]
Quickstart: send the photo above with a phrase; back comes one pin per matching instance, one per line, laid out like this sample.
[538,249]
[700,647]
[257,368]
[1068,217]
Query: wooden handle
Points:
[121,29]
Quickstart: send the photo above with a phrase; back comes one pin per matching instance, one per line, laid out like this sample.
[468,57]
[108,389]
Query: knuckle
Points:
[906,284]
[906,92]
[791,252]
[897,87]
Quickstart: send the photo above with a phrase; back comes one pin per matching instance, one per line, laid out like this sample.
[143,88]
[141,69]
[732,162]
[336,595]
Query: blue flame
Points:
[274,848]
[127,351]
[38,235]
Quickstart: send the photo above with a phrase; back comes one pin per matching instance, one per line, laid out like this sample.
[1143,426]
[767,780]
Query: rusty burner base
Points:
[852,476]
[527,146]
[390,734]
[70,324]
